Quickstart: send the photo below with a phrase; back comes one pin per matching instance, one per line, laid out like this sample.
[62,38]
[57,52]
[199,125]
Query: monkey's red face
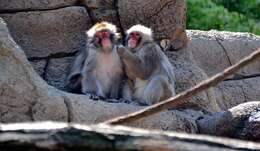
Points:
[104,39]
[134,39]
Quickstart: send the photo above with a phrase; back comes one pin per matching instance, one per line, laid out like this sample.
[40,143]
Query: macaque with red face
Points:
[150,73]
[98,69]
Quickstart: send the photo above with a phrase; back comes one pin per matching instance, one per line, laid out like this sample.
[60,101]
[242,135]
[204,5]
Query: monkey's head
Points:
[103,35]
[137,36]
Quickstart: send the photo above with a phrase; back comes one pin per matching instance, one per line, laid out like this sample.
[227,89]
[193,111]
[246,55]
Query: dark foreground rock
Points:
[65,137]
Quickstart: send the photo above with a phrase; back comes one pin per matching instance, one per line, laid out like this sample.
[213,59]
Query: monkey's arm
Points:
[77,65]
[136,66]
[73,81]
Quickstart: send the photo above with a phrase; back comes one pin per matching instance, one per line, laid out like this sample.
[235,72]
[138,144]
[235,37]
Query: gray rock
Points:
[39,66]
[214,50]
[19,5]
[241,121]
[207,53]
[43,33]
[188,74]
[232,93]
[57,72]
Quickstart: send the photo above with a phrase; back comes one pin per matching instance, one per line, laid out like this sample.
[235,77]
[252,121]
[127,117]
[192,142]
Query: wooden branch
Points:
[49,136]
[180,99]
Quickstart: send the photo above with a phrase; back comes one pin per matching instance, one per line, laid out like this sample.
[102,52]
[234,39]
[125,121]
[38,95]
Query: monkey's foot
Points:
[113,101]
[94,97]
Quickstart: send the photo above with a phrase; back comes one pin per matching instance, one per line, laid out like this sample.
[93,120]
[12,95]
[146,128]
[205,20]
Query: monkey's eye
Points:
[99,34]
[102,34]
[135,34]
[105,34]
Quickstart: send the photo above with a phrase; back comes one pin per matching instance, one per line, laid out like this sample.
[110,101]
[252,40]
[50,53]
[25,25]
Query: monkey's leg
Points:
[157,90]
[73,85]
[92,88]
[115,87]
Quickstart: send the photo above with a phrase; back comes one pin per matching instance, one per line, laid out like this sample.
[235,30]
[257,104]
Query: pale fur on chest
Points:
[108,68]
[109,64]
[139,86]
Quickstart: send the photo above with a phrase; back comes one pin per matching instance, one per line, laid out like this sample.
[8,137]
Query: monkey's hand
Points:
[121,50]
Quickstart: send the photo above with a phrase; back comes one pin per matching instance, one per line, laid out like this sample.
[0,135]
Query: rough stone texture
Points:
[214,50]
[251,130]
[50,32]
[9,5]
[103,10]
[232,93]
[188,74]
[57,70]
[51,136]
[241,121]
[207,53]
[152,13]
[26,97]
[90,112]
[39,66]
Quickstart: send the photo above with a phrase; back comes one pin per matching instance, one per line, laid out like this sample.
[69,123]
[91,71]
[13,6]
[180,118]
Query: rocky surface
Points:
[214,51]
[25,5]
[50,136]
[53,32]
[50,33]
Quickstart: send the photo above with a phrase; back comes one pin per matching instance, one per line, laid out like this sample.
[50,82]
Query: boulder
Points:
[44,33]
[25,5]
[57,70]
[51,136]
[213,51]
[187,75]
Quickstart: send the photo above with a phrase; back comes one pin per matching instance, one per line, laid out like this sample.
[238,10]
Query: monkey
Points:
[98,70]
[150,74]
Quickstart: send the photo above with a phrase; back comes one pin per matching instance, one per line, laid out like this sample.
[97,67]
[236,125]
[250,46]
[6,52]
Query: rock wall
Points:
[214,51]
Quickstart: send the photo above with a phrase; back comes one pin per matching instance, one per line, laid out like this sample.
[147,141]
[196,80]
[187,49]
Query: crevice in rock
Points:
[244,77]
[116,7]
[13,11]
[160,9]
[45,69]
[30,112]
[244,94]
[84,4]
[53,56]
[224,49]
[69,109]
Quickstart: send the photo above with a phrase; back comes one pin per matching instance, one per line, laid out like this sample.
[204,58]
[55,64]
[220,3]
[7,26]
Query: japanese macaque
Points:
[150,74]
[98,70]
